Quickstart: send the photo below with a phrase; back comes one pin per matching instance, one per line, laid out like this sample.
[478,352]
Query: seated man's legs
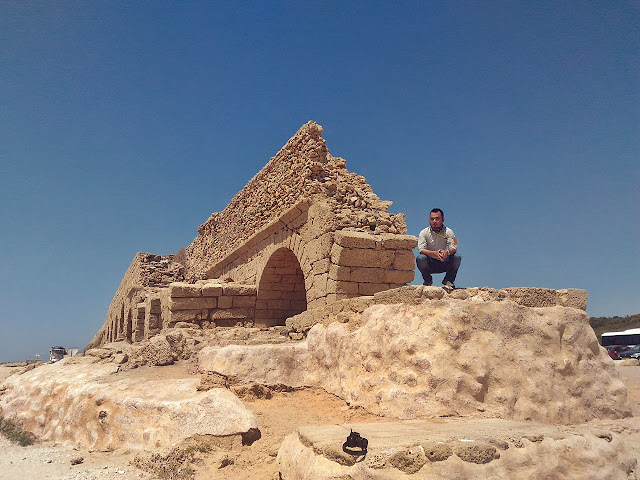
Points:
[428,265]
[452,265]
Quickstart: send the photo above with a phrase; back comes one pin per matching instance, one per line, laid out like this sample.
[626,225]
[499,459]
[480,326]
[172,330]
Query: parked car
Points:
[616,350]
[633,352]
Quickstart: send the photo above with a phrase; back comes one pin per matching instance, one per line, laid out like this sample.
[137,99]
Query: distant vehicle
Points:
[633,352]
[616,350]
[627,337]
[58,353]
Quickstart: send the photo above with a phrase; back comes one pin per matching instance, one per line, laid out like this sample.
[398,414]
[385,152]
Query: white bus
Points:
[628,337]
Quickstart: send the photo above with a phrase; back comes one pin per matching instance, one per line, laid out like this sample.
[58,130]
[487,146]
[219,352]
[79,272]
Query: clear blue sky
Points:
[124,125]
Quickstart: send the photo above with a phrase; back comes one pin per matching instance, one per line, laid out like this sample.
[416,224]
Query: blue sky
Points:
[124,125]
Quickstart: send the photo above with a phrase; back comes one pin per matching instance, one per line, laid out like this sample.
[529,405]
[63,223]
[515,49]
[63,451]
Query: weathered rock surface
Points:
[86,406]
[456,449]
[447,357]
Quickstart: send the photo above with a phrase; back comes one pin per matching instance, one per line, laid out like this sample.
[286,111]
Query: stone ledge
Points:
[415,294]
[428,449]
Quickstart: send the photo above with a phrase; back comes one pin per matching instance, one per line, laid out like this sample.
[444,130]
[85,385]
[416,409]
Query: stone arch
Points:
[281,289]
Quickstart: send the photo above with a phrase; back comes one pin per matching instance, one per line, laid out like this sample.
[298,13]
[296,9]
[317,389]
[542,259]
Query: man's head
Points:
[436,218]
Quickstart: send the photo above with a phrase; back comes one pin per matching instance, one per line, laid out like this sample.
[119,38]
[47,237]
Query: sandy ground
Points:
[277,417]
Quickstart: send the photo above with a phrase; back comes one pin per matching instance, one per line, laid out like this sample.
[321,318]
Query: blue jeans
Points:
[428,265]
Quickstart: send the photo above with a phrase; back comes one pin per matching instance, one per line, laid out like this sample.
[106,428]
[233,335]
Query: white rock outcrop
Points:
[447,357]
[85,406]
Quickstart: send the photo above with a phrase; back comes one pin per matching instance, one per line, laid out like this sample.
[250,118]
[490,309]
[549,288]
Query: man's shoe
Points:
[427,284]
[448,285]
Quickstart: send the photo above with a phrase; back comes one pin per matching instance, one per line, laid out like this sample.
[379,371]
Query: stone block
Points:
[349,239]
[409,294]
[225,302]
[278,304]
[270,278]
[290,215]
[334,286]
[436,293]
[261,305]
[320,266]
[398,242]
[286,270]
[337,272]
[298,305]
[236,289]
[573,297]
[318,303]
[361,257]
[398,276]
[372,288]
[156,305]
[282,287]
[184,316]
[244,301]
[293,278]
[140,310]
[270,294]
[314,293]
[318,249]
[236,313]
[184,303]
[404,260]
[181,289]
[319,281]
[367,275]
[335,297]
[211,290]
[532,297]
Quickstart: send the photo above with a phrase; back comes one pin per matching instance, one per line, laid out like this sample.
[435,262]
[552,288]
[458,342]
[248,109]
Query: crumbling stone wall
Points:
[302,169]
[303,232]
[147,273]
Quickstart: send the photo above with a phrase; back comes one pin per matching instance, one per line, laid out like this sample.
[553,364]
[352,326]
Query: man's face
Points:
[436,219]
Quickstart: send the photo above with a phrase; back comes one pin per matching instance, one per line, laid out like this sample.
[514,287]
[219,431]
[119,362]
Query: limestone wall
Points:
[146,274]
[302,233]
[302,170]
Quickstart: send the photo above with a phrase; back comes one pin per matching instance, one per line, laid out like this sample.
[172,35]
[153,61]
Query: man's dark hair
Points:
[438,210]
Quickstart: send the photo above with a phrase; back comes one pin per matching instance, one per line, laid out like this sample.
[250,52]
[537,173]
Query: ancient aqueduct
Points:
[304,232]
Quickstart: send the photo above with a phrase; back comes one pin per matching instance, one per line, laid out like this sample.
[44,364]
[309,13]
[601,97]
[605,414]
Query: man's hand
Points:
[442,254]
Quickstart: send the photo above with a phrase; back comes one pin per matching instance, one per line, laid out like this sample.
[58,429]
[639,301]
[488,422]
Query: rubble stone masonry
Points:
[303,233]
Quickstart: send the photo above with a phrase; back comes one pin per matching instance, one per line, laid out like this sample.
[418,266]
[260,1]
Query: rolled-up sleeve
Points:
[422,241]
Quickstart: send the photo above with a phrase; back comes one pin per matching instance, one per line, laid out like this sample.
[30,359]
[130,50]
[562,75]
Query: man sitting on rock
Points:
[437,247]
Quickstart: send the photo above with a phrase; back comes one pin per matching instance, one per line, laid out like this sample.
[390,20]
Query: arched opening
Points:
[281,292]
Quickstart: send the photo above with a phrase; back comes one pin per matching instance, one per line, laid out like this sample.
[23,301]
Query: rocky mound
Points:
[446,357]
[86,406]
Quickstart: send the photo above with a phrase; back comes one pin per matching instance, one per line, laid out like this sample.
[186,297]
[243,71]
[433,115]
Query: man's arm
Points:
[452,244]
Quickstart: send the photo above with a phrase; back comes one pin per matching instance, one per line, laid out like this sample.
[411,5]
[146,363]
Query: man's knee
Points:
[422,261]
[456,260]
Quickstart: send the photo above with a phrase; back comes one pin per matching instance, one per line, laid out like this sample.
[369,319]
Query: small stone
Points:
[225,461]
[408,461]
[77,460]
[477,453]
[437,452]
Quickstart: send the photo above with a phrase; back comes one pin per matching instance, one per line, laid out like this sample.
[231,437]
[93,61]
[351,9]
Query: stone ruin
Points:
[303,233]
[469,383]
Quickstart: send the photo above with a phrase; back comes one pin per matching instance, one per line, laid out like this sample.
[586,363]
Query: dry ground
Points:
[277,417]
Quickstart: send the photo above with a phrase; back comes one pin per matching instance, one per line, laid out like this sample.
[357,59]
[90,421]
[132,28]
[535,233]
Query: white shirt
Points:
[431,240]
